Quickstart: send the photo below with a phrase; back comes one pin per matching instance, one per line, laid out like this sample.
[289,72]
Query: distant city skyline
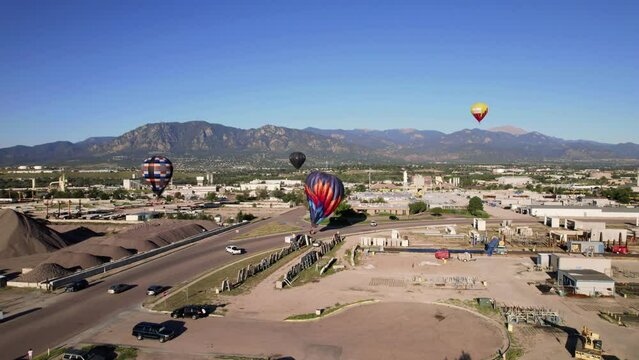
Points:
[78,69]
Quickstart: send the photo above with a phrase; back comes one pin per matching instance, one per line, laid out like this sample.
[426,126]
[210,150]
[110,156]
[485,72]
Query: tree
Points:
[262,194]
[359,188]
[437,211]
[417,207]
[343,208]
[278,194]
[211,196]
[619,194]
[242,216]
[475,205]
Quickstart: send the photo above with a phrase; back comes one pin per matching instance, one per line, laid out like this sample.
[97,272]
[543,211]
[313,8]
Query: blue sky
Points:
[74,69]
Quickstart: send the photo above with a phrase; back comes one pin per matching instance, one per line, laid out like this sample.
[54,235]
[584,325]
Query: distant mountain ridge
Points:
[203,142]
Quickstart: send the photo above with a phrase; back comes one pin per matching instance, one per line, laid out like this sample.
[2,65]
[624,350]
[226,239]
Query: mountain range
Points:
[199,142]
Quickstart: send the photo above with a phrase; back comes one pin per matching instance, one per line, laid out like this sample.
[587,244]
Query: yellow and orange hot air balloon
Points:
[479,111]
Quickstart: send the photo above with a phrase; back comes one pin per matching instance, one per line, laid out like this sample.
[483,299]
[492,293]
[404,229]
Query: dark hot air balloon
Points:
[157,172]
[324,193]
[297,159]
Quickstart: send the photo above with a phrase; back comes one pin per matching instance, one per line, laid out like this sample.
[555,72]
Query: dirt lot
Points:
[401,325]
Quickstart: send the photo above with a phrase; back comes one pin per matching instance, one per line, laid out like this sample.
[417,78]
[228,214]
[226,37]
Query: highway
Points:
[69,314]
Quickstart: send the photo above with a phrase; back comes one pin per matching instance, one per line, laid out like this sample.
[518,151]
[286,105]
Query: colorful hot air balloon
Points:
[324,193]
[157,172]
[297,159]
[479,111]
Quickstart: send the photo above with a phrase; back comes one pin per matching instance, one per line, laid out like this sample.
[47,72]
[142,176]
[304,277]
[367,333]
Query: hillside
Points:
[199,142]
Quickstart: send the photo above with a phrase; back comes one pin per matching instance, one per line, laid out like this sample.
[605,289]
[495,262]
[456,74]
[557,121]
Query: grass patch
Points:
[54,353]
[326,311]
[465,213]
[203,290]
[473,305]
[312,273]
[126,353]
[268,229]
[515,351]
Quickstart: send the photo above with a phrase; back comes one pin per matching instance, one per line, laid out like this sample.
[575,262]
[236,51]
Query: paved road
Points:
[72,313]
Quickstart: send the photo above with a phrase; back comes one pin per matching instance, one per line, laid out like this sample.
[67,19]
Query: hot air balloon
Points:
[157,172]
[479,111]
[324,193]
[297,159]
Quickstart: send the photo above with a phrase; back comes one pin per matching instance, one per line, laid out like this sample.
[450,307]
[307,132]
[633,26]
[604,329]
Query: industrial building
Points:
[586,282]
[582,211]
[585,247]
[578,262]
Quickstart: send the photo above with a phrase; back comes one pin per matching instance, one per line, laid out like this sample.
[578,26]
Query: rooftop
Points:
[587,275]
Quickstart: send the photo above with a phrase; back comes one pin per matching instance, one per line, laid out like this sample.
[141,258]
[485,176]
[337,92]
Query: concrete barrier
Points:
[59,282]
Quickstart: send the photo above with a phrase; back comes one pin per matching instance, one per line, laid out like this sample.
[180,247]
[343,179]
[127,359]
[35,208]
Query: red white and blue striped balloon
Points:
[157,172]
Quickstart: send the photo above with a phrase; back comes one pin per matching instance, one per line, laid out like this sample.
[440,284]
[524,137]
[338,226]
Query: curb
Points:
[365,302]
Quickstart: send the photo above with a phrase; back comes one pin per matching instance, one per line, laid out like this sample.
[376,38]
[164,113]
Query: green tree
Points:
[475,205]
[262,194]
[359,188]
[437,211]
[417,207]
[211,196]
[619,194]
[278,194]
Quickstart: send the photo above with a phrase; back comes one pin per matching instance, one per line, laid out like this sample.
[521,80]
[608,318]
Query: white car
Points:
[234,250]
[373,223]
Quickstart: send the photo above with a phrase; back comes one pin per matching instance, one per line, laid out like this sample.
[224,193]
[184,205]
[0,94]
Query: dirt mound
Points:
[72,260]
[44,272]
[111,251]
[150,236]
[21,235]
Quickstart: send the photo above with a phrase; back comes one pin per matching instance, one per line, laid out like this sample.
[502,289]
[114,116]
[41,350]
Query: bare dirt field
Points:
[404,324]
[377,331]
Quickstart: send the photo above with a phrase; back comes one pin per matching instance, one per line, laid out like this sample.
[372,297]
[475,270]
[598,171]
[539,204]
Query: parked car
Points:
[147,330]
[192,311]
[118,288]
[234,250]
[317,243]
[373,223]
[73,354]
[76,286]
[154,290]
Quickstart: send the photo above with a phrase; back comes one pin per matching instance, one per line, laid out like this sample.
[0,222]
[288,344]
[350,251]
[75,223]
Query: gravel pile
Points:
[44,272]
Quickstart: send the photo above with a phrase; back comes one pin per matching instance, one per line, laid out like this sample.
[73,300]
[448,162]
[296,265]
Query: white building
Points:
[587,282]
[514,180]
[583,211]
[579,262]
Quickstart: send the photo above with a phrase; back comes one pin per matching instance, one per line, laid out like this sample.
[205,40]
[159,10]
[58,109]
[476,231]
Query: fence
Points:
[59,282]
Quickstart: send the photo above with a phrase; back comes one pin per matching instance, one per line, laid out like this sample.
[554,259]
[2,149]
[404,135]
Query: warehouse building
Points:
[586,282]
[579,262]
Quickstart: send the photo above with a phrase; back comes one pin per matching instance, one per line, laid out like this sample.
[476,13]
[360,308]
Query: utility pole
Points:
[369,179]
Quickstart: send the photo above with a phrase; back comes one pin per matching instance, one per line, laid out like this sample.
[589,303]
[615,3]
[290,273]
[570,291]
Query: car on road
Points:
[373,223]
[154,290]
[76,286]
[118,288]
[190,311]
[147,330]
[317,243]
[234,250]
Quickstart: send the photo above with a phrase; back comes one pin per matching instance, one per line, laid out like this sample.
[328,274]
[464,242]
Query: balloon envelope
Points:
[297,159]
[479,111]
[157,172]
[324,193]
